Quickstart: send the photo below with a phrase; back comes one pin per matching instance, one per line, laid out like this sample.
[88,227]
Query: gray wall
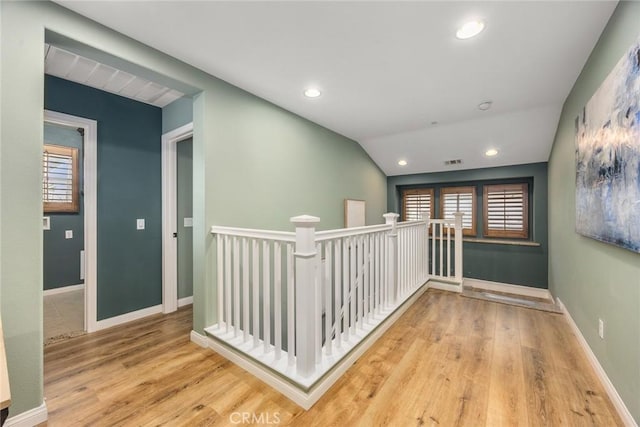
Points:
[129,187]
[185,210]
[176,114]
[519,265]
[292,165]
[594,279]
[61,256]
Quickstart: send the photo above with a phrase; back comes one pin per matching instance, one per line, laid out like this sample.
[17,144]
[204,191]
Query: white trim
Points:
[90,189]
[617,401]
[185,301]
[29,418]
[63,289]
[434,283]
[170,216]
[307,399]
[508,288]
[129,317]
[199,339]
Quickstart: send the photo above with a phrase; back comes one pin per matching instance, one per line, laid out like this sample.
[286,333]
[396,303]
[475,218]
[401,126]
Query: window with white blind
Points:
[460,199]
[506,211]
[60,179]
[415,201]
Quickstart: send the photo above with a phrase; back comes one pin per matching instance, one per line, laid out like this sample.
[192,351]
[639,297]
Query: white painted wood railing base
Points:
[303,396]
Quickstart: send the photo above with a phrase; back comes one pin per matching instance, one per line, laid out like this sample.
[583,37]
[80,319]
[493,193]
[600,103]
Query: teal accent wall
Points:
[240,143]
[176,114]
[519,265]
[185,210]
[596,280]
[61,256]
[129,187]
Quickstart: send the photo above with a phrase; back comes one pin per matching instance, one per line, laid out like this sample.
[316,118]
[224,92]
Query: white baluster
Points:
[255,254]
[277,298]
[220,281]
[266,296]
[337,275]
[291,322]
[227,282]
[346,287]
[328,314]
[245,289]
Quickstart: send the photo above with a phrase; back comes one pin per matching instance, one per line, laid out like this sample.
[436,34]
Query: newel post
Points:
[305,282]
[458,247]
[392,259]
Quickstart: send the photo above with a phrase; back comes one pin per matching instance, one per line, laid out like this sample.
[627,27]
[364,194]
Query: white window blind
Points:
[506,210]
[59,183]
[416,201]
[460,199]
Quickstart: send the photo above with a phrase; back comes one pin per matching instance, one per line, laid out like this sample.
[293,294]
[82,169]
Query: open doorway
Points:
[68,226]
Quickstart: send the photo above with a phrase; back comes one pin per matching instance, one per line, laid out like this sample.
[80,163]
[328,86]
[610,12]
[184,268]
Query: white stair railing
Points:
[446,249]
[299,302]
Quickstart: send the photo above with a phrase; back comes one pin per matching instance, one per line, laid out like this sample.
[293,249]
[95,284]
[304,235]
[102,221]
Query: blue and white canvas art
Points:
[608,158]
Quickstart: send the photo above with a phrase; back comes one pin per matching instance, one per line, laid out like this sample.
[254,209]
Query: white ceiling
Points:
[389,69]
[70,66]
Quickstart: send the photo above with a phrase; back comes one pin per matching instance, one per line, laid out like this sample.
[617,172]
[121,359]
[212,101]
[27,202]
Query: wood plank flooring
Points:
[448,361]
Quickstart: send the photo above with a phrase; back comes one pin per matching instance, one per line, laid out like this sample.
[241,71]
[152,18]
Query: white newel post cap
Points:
[425,215]
[391,217]
[304,220]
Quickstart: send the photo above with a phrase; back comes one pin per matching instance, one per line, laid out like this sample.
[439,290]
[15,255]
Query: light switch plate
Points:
[68,234]
[140,224]
[188,222]
[46,223]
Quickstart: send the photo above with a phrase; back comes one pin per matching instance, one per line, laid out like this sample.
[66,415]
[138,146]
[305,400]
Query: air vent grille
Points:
[453,162]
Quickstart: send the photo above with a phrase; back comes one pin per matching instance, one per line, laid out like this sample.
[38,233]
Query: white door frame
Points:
[170,215]
[90,188]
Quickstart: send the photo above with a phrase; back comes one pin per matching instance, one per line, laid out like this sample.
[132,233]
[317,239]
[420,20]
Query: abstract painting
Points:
[608,157]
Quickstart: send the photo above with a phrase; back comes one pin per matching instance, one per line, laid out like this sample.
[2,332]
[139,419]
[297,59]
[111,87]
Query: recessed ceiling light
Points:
[312,92]
[470,29]
[402,162]
[484,106]
[491,152]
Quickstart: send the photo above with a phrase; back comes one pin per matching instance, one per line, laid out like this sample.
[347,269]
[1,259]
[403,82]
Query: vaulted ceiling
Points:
[393,76]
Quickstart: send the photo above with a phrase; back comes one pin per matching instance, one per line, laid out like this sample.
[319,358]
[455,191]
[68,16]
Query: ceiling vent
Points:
[453,162]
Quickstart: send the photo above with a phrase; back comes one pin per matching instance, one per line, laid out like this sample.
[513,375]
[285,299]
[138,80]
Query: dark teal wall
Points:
[519,265]
[61,256]
[129,187]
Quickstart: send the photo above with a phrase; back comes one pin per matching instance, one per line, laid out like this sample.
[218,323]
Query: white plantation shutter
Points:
[60,180]
[415,201]
[460,199]
[506,210]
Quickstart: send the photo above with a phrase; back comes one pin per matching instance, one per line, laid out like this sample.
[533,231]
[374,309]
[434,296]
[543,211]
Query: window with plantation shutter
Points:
[415,201]
[460,199]
[60,179]
[506,211]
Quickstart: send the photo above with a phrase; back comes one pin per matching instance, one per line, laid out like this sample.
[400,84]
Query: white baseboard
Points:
[199,339]
[306,399]
[185,301]
[617,401]
[435,284]
[28,418]
[508,288]
[64,289]
[128,317]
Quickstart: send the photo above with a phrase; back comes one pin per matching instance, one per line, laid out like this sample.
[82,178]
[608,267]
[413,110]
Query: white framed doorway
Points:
[90,166]
[170,215]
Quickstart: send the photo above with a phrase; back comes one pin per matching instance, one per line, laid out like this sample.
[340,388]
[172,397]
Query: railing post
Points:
[458,246]
[426,217]
[392,260]
[305,282]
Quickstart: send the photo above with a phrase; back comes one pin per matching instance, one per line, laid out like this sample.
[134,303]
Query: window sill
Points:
[501,242]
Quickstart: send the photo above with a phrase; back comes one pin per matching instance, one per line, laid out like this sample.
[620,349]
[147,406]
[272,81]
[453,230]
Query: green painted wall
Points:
[519,265]
[185,210]
[593,279]
[61,256]
[176,114]
[241,143]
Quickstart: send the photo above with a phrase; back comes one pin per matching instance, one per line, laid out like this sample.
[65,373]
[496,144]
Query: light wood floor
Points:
[449,361]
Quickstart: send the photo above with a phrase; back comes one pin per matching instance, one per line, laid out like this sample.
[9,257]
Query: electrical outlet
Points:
[601,328]
[68,234]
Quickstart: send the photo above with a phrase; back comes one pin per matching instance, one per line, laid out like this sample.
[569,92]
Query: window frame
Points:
[474,216]
[506,234]
[63,207]
[422,190]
